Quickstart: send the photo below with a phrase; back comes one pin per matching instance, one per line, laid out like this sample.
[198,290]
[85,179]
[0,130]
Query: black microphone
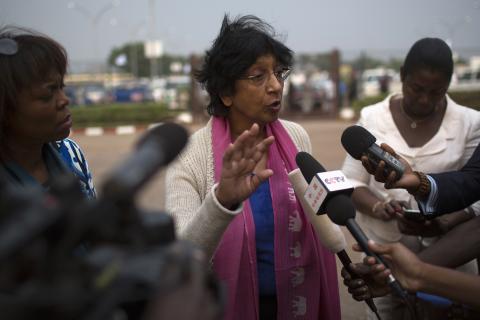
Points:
[323,185]
[156,148]
[358,141]
[341,211]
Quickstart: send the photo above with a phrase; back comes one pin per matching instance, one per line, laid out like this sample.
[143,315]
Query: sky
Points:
[379,27]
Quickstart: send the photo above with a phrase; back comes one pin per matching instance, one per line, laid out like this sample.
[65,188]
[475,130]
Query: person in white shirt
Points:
[433,133]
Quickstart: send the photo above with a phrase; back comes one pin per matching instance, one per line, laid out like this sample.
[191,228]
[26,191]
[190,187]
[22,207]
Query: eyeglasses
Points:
[8,46]
[261,78]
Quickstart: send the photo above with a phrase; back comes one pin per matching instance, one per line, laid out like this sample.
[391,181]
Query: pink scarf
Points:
[305,271]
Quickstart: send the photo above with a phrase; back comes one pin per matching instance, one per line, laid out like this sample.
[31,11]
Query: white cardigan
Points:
[190,199]
[449,149]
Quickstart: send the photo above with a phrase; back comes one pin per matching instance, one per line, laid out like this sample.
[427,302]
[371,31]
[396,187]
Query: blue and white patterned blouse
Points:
[76,162]
[60,157]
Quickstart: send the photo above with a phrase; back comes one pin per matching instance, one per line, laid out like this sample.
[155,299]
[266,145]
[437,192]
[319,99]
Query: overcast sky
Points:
[377,26]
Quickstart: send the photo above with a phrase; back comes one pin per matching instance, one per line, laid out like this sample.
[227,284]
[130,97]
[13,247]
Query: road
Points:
[107,151]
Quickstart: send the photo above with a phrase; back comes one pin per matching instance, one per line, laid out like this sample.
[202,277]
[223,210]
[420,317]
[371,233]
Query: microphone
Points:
[156,148]
[358,141]
[323,185]
[340,210]
[328,233]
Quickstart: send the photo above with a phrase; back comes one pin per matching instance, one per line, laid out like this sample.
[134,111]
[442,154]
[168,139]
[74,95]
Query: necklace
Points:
[414,123]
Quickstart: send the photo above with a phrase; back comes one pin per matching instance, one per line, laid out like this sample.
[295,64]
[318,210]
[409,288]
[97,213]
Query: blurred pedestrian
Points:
[352,87]
[384,84]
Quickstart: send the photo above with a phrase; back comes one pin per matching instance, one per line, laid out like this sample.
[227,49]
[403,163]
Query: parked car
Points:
[72,95]
[95,94]
[139,93]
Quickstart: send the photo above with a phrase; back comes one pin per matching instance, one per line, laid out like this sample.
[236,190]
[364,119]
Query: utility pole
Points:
[154,57]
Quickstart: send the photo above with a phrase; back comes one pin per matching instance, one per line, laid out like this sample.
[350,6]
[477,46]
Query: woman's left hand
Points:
[238,179]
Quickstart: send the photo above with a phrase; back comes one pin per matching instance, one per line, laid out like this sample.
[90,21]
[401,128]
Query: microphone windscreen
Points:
[308,165]
[328,233]
[169,137]
[156,148]
[356,140]
[340,208]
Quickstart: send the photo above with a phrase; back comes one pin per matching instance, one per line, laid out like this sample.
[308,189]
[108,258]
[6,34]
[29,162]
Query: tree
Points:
[136,62]
[321,61]
[365,62]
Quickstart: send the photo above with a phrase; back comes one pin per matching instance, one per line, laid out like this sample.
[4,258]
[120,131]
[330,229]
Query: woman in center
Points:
[229,191]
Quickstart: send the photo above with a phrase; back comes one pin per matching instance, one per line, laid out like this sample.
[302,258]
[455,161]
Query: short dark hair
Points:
[430,53]
[239,44]
[36,58]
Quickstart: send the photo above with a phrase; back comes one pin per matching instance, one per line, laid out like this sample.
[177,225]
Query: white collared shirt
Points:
[449,149]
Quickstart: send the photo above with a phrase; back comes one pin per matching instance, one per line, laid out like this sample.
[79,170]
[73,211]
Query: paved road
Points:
[104,152]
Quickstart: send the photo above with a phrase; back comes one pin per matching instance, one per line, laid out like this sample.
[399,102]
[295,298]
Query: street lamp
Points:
[94,18]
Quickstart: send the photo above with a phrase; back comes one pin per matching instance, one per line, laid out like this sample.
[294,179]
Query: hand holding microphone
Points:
[401,262]
[380,161]
[360,144]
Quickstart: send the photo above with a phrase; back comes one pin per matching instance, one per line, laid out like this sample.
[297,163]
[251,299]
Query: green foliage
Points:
[120,114]
[319,60]
[135,52]
[466,98]
[365,62]
[395,64]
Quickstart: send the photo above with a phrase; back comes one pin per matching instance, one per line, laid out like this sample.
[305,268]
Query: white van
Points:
[467,79]
[370,81]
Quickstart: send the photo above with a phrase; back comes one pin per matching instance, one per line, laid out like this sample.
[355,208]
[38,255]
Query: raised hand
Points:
[240,175]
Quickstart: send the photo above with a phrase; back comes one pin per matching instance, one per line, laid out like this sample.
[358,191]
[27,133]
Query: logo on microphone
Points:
[315,194]
[333,180]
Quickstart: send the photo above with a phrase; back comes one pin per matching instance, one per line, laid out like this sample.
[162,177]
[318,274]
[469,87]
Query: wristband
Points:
[423,189]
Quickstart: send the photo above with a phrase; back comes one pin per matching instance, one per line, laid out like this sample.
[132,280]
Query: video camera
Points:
[63,256]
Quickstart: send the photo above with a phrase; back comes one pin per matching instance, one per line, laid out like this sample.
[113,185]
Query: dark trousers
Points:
[268,307]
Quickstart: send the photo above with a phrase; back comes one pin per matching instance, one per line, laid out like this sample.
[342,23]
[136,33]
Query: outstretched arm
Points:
[459,189]
[415,275]
[456,190]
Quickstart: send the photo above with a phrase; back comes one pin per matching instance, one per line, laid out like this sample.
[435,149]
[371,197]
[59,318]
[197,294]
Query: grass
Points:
[107,115]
